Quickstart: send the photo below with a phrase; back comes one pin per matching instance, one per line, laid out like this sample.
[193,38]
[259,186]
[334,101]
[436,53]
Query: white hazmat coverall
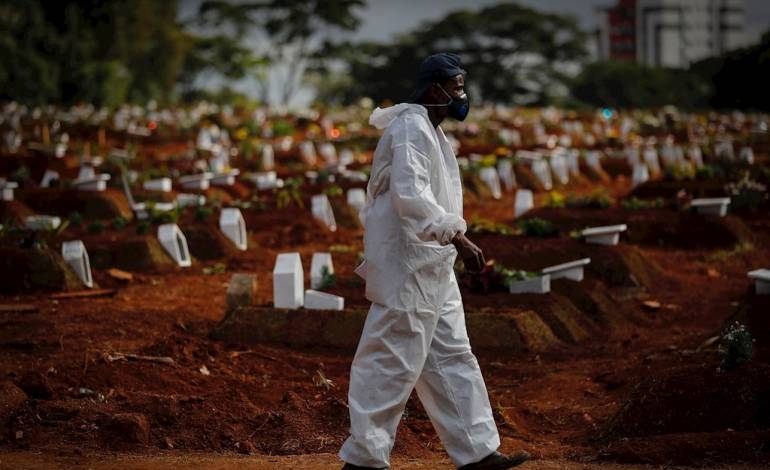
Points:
[414,336]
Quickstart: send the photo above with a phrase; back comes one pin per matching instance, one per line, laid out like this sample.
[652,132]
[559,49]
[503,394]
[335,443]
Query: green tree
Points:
[514,54]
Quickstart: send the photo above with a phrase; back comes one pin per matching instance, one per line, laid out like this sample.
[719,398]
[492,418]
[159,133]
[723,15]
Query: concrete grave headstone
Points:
[322,211]
[267,180]
[641,174]
[605,235]
[593,160]
[573,161]
[761,281]
[6,189]
[525,201]
[346,157]
[650,156]
[505,174]
[559,167]
[158,184]
[48,177]
[533,285]
[42,222]
[315,300]
[356,198]
[174,242]
[199,181]
[288,281]
[542,173]
[695,155]
[232,224]
[75,254]
[226,178]
[268,157]
[490,177]
[711,206]
[320,264]
[328,152]
[746,154]
[724,149]
[632,155]
[190,200]
[307,152]
[572,270]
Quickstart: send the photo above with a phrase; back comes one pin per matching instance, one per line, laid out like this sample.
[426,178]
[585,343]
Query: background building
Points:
[670,33]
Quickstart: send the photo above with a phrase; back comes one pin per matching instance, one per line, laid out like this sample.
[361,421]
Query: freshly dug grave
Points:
[34,269]
[694,413]
[656,227]
[106,204]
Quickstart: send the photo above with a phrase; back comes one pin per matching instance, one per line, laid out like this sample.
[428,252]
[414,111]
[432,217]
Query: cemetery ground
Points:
[620,370]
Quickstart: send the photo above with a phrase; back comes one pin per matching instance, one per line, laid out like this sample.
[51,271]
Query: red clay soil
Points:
[631,391]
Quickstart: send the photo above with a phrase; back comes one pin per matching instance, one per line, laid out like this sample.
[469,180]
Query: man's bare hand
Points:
[472,256]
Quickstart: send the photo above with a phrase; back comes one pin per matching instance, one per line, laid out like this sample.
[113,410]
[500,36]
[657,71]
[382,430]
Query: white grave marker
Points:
[489,176]
[174,242]
[76,256]
[97,183]
[632,155]
[307,151]
[572,270]
[559,168]
[320,262]
[695,155]
[226,178]
[532,285]
[711,206]
[6,189]
[200,181]
[328,152]
[190,200]
[641,174]
[761,281]
[747,155]
[543,173]
[231,223]
[159,184]
[288,281]
[573,161]
[356,198]
[48,176]
[42,222]
[346,157]
[650,156]
[506,174]
[267,180]
[315,300]
[268,157]
[593,160]
[606,235]
[525,201]
[724,149]
[322,211]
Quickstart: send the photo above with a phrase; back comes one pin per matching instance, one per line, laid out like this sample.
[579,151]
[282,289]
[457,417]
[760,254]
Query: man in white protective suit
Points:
[415,335]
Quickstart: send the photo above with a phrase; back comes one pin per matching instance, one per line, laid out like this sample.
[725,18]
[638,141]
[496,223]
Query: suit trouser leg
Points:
[452,389]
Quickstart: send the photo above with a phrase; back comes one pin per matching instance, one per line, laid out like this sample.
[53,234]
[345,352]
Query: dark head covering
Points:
[433,69]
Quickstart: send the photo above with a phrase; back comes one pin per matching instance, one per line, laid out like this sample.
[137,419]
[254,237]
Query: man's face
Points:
[454,87]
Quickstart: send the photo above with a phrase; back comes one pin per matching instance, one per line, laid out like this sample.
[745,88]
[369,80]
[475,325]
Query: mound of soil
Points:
[207,243]
[34,269]
[656,227]
[131,253]
[669,189]
[90,204]
[696,398]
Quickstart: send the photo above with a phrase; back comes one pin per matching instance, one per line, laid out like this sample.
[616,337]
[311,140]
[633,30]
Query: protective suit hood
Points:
[383,117]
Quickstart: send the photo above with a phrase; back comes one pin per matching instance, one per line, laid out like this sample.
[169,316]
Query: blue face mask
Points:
[458,108]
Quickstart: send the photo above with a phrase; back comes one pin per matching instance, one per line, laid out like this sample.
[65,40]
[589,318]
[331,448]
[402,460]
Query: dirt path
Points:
[192,461]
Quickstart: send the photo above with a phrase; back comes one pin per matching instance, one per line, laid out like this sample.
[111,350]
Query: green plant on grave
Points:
[328,279]
[119,223]
[481,225]
[333,191]
[706,172]
[282,127]
[96,227]
[203,213]
[555,199]
[599,199]
[218,268]
[20,175]
[679,172]
[536,227]
[289,194]
[634,203]
[143,227]
[76,219]
[737,346]
[746,194]
[509,275]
